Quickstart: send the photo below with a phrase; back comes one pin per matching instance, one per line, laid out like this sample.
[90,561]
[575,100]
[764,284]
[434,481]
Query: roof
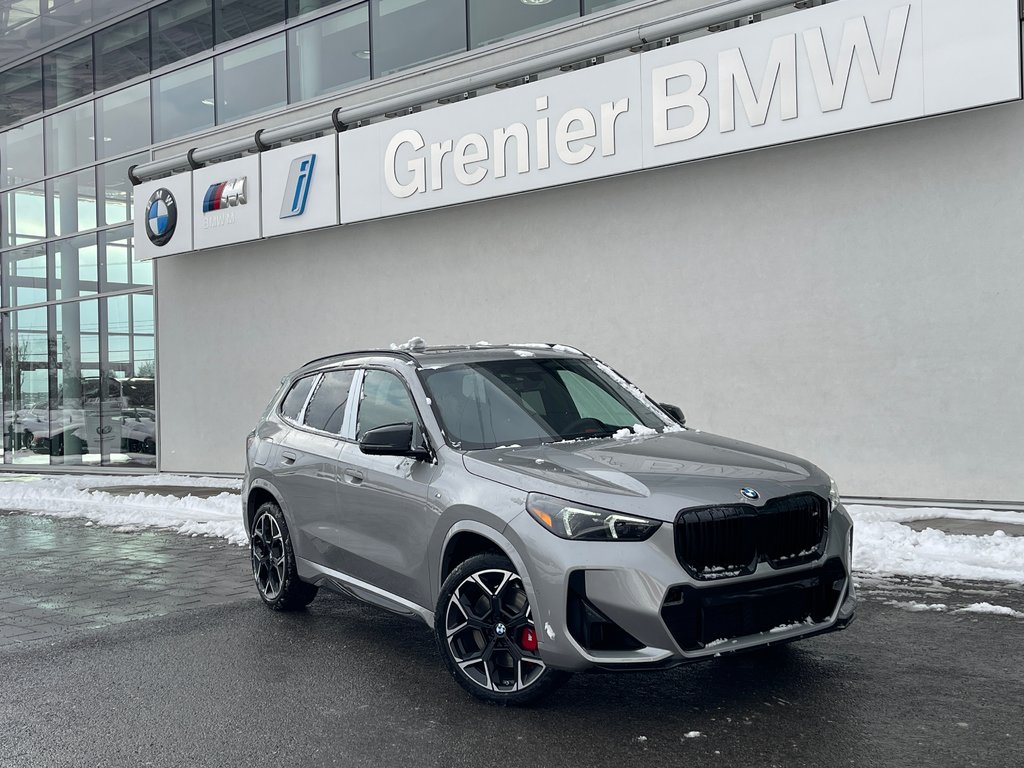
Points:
[450,354]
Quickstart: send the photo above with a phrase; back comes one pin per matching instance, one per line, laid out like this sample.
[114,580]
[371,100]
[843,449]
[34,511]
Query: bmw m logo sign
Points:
[161,217]
[225,194]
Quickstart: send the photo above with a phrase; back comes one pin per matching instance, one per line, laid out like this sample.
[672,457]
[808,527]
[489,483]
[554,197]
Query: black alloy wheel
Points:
[273,562]
[485,631]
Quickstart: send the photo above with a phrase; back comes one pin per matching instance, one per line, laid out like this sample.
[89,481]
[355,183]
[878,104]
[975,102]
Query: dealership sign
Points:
[831,69]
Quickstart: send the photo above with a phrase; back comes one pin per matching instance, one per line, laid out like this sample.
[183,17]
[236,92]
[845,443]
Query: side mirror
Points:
[675,412]
[392,440]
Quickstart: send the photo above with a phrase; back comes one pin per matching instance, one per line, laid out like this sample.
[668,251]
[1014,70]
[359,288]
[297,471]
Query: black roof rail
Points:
[361,353]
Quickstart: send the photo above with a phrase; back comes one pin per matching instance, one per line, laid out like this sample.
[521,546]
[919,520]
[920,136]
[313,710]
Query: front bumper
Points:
[631,605]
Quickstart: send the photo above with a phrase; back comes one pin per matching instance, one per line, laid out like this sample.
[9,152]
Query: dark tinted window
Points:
[410,32]
[237,18]
[67,73]
[385,400]
[180,28]
[122,51]
[296,398]
[326,410]
[21,92]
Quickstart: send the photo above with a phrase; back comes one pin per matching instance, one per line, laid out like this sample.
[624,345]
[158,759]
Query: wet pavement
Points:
[151,648]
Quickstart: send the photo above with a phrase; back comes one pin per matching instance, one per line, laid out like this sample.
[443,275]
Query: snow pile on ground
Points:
[70,496]
[882,545]
[1000,610]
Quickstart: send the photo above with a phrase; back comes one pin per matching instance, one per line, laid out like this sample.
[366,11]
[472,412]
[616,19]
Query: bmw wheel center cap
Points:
[750,493]
[161,217]
[499,630]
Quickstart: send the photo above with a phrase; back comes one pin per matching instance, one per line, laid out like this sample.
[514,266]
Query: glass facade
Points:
[77,380]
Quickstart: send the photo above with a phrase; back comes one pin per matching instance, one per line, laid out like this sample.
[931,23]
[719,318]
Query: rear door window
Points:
[326,409]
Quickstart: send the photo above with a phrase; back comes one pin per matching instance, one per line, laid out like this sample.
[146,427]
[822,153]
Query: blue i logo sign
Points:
[296,191]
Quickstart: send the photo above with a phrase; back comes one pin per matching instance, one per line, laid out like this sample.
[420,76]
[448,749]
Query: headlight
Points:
[575,521]
[833,494]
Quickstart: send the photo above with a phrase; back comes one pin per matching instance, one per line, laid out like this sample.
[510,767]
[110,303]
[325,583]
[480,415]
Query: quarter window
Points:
[296,398]
[326,411]
[385,400]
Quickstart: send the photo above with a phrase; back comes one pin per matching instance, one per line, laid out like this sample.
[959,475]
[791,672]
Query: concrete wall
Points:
[855,300]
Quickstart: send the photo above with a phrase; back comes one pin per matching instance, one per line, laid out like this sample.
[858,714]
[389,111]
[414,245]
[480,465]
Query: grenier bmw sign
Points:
[830,69]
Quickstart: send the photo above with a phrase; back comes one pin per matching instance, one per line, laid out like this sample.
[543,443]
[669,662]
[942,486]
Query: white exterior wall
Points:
[855,300]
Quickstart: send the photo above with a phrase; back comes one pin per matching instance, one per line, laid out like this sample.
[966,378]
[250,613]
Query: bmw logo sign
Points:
[161,217]
[750,493]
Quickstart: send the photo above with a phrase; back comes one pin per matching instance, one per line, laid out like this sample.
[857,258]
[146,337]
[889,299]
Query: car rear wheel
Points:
[273,562]
[485,631]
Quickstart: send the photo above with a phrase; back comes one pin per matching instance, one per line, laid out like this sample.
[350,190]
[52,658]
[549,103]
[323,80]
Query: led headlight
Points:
[833,494]
[576,521]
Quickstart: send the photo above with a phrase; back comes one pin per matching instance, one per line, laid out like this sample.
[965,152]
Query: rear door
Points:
[383,500]
[307,467]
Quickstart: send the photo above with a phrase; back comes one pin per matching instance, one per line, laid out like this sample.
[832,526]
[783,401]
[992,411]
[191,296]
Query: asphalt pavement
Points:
[206,676]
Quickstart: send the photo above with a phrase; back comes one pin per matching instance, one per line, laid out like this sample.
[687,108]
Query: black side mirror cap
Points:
[392,440]
[675,412]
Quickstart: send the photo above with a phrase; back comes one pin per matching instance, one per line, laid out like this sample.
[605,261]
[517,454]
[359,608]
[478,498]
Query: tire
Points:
[273,562]
[483,625]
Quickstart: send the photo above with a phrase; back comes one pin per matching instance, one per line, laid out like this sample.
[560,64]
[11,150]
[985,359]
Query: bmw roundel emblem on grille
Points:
[161,217]
[750,493]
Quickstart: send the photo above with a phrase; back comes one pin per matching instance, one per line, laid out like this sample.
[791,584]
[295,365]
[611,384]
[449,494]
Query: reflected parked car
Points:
[540,513]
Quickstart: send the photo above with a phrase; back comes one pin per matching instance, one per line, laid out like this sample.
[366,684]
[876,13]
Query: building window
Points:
[490,21]
[122,51]
[22,215]
[183,101]
[71,202]
[593,6]
[237,18]
[70,138]
[26,390]
[118,270]
[329,53]
[411,32]
[299,7]
[21,154]
[73,267]
[112,179]
[24,276]
[21,92]
[67,73]
[251,79]
[122,121]
[179,29]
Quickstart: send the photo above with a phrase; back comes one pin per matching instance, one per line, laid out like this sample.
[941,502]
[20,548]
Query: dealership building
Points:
[800,222]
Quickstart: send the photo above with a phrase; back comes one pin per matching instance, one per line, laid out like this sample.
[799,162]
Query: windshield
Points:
[531,401]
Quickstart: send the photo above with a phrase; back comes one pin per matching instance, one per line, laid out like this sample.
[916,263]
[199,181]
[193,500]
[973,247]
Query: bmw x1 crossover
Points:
[540,513]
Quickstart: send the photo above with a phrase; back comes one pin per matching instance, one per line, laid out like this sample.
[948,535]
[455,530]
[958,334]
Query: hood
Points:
[654,475]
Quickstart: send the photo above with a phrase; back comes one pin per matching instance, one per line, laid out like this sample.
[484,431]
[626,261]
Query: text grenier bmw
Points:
[198,195]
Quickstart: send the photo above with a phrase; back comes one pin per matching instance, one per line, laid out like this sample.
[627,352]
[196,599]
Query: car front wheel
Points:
[273,562]
[485,631]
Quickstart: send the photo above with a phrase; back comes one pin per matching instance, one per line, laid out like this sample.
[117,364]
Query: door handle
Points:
[353,477]
[287,457]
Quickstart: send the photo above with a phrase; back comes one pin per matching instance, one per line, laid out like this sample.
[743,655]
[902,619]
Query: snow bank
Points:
[999,610]
[882,545]
[70,496]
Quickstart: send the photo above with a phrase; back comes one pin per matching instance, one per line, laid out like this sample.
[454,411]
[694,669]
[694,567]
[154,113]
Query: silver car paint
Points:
[383,538]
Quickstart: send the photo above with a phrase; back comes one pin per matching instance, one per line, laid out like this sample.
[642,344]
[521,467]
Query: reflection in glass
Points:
[410,32]
[118,270]
[122,51]
[26,387]
[74,269]
[122,121]
[76,433]
[183,101]
[24,276]
[329,53]
[237,18]
[67,73]
[490,21]
[22,30]
[72,202]
[129,394]
[180,29]
[21,92]
[251,79]
[70,138]
[22,215]
[21,154]
[299,7]
[116,204]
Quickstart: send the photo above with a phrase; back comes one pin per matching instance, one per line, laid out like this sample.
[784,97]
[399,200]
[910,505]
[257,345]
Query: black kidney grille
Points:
[731,539]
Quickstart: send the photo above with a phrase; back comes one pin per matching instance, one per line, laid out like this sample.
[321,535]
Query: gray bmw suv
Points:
[539,512]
